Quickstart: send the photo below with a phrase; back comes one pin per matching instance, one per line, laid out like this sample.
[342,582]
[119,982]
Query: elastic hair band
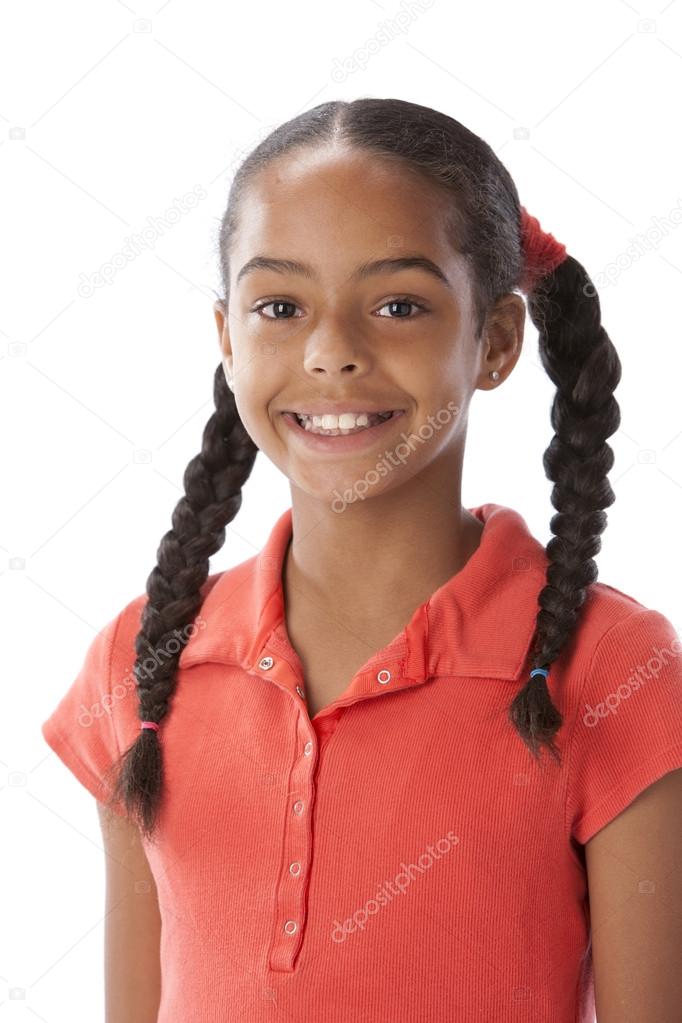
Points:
[542,253]
[149,724]
[540,671]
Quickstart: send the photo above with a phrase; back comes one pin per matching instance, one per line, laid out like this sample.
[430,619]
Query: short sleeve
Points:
[82,729]
[628,728]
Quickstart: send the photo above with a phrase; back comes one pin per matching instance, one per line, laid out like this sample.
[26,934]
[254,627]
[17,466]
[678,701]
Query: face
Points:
[339,333]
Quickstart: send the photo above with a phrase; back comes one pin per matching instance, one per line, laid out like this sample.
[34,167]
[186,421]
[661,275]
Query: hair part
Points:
[576,352]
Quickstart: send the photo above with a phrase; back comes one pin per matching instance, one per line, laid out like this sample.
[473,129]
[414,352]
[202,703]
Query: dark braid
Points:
[485,227]
[213,484]
[583,364]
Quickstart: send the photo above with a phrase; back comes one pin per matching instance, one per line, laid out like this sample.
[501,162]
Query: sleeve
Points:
[82,729]
[628,728]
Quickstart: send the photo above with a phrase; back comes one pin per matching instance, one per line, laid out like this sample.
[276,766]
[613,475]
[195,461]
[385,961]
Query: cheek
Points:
[255,418]
[434,431]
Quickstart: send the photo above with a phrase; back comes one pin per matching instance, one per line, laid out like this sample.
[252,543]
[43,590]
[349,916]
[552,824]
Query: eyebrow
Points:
[377,266]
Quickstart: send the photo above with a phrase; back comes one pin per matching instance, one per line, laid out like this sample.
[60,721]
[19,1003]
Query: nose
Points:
[331,356]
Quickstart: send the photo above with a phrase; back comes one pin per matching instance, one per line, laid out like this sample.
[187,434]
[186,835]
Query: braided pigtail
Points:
[213,482]
[582,362]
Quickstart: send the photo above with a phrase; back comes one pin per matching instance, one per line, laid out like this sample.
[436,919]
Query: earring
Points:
[494,374]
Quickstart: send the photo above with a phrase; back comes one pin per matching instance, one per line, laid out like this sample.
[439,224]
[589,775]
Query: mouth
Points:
[366,430]
[344,425]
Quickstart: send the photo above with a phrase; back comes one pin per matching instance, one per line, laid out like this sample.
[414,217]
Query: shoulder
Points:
[606,606]
[97,715]
[125,627]
[613,627]
[101,700]
[619,643]
[620,690]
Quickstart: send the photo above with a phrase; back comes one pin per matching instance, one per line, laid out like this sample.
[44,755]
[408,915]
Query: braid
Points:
[582,362]
[213,484]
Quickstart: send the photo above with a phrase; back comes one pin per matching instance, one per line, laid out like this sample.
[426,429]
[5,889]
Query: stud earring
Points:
[494,374]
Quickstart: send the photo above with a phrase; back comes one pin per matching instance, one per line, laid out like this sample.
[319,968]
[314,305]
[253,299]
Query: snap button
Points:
[298,806]
[300,692]
[383,677]
[295,869]
[290,926]
[265,662]
[307,749]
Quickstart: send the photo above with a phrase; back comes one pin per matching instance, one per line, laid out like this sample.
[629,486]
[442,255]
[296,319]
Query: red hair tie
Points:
[541,251]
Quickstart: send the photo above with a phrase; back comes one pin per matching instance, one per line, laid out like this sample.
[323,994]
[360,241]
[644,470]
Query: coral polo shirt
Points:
[401,857]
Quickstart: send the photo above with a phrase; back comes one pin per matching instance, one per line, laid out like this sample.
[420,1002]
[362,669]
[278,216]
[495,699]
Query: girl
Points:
[332,753]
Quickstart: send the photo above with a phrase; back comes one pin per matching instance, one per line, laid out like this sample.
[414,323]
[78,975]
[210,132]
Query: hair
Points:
[485,226]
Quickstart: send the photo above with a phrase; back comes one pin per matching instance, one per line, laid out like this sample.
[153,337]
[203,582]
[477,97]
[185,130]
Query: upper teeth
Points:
[346,421]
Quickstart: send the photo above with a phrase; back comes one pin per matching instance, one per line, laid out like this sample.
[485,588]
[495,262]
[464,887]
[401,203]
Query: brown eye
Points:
[404,301]
[279,304]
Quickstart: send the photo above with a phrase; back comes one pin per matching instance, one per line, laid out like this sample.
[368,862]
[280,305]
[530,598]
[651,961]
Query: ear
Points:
[220,314]
[502,340]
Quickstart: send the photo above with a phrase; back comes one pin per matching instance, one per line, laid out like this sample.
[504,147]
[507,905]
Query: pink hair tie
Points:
[541,251]
[149,724]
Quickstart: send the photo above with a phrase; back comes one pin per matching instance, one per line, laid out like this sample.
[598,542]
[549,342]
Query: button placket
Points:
[293,881]
[294,872]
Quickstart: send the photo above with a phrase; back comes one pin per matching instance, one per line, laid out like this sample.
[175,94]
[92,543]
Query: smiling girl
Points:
[405,763]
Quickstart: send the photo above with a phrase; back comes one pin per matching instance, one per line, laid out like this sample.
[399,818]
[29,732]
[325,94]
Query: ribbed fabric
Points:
[402,856]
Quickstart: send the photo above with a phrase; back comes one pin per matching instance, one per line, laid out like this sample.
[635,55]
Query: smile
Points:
[341,425]
[324,434]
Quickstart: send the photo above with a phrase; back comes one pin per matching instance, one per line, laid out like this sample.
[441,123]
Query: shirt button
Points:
[307,749]
[265,662]
[290,926]
[295,869]
[383,677]
[298,806]
[300,692]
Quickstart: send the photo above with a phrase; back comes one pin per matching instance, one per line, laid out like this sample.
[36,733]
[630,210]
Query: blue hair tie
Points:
[540,671]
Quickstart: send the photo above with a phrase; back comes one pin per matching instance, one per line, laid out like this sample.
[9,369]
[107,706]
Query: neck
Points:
[378,559]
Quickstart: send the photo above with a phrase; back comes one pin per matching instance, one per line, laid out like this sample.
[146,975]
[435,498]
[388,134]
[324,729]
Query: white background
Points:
[110,112]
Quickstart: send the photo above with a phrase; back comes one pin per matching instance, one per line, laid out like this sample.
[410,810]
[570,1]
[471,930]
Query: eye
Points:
[403,300]
[278,303]
[281,304]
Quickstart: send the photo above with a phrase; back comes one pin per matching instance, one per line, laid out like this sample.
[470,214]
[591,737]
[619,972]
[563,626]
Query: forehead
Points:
[334,208]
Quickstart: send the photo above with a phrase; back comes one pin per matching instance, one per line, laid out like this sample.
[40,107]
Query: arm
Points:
[634,867]
[132,925]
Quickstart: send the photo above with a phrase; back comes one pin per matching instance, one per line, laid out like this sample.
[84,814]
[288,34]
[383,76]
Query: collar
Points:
[479,623]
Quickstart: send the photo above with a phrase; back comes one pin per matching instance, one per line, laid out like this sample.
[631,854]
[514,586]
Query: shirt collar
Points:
[479,623]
